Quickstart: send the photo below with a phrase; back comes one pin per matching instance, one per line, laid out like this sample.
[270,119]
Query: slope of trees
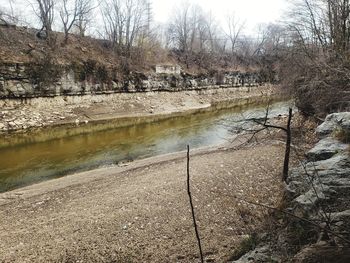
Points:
[316,67]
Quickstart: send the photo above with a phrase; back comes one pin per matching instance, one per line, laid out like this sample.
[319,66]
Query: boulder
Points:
[325,149]
[320,181]
[334,121]
[258,255]
[340,216]
[336,167]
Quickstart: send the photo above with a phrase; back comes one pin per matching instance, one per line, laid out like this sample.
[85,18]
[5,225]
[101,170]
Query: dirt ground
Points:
[140,212]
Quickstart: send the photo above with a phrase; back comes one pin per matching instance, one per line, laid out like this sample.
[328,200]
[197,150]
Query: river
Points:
[54,152]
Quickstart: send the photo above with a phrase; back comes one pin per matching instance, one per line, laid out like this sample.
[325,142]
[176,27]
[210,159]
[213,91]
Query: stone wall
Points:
[21,81]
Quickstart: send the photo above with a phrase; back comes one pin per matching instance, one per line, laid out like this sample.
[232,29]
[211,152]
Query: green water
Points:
[41,155]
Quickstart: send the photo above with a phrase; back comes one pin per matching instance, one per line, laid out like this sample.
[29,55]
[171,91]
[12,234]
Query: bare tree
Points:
[44,9]
[234,29]
[179,29]
[8,16]
[193,33]
[316,66]
[75,13]
[125,21]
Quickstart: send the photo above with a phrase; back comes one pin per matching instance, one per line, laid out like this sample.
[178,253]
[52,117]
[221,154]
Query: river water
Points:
[37,156]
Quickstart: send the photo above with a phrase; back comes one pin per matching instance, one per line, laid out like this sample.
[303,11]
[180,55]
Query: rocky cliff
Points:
[21,80]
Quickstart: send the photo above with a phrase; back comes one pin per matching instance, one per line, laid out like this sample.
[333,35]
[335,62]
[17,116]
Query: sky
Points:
[252,12]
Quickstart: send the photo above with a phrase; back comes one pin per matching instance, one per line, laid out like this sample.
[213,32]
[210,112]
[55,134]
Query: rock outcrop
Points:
[28,81]
[319,192]
[334,121]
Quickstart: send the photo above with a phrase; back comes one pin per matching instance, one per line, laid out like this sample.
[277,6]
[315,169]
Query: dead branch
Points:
[191,204]
[265,126]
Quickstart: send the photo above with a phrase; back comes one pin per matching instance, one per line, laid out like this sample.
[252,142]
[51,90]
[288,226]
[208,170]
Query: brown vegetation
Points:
[316,67]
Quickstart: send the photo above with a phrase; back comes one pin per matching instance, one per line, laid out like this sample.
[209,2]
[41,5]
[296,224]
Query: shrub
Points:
[245,246]
[44,72]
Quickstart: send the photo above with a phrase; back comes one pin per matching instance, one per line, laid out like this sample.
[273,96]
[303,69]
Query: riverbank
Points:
[140,212]
[17,115]
[314,222]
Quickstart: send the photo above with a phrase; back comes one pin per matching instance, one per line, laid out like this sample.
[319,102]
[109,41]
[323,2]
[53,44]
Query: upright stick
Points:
[191,203]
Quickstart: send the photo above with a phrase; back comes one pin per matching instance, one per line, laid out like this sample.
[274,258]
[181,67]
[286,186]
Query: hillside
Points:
[24,45]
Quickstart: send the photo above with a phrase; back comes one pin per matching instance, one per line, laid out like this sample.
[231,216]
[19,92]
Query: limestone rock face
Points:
[326,173]
[334,121]
[319,186]
[16,81]
[322,183]
[325,149]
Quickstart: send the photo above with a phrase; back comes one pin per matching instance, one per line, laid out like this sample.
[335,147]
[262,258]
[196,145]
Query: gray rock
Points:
[325,149]
[334,121]
[340,215]
[320,181]
[312,197]
[336,167]
[258,255]
[12,124]
[41,34]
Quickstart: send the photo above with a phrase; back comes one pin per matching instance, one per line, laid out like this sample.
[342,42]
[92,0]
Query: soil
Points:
[139,212]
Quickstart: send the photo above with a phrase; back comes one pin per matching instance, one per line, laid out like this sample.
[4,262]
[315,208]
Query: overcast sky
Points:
[253,12]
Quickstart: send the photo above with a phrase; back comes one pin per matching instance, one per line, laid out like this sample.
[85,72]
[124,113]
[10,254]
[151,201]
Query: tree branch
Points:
[191,204]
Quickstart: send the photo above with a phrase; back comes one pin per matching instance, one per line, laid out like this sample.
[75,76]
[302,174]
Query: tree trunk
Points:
[288,143]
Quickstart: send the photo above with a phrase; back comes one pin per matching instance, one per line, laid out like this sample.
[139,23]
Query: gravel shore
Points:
[140,212]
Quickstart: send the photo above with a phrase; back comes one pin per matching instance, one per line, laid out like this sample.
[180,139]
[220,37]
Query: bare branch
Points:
[191,204]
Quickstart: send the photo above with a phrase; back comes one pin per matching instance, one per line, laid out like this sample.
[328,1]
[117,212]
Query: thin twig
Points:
[191,203]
